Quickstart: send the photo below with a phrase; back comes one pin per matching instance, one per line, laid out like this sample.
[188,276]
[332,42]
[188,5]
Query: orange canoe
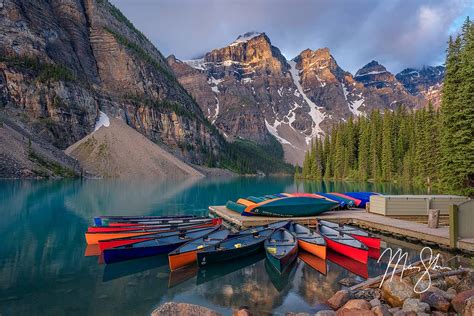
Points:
[187,253]
[312,248]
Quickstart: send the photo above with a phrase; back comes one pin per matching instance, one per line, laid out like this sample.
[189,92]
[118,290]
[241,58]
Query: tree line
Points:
[425,146]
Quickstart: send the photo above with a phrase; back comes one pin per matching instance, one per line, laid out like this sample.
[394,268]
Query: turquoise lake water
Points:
[43,270]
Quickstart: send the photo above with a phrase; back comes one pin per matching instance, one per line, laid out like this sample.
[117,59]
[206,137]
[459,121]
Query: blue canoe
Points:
[343,203]
[363,196]
[153,247]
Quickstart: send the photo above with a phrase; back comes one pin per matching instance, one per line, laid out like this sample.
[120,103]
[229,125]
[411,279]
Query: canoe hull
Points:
[117,255]
[355,253]
[371,242]
[312,248]
[180,260]
[207,258]
[291,207]
[281,264]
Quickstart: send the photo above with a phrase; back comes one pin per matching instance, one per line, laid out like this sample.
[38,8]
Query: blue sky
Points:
[397,33]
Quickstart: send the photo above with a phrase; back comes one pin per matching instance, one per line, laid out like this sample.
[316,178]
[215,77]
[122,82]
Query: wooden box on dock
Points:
[401,205]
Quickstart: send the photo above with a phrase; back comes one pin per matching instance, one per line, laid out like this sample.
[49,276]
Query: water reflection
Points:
[43,269]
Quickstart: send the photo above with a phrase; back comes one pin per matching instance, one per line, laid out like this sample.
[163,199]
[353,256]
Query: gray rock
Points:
[375,302]
[415,305]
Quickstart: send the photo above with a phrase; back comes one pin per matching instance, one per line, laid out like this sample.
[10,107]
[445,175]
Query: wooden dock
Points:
[359,217]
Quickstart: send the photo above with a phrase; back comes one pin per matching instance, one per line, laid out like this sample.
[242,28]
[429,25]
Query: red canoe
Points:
[362,236]
[349,264]
[356,201]
[344,244]
[148,225]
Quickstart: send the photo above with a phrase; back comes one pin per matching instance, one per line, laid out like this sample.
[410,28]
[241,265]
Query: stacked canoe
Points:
[283,205]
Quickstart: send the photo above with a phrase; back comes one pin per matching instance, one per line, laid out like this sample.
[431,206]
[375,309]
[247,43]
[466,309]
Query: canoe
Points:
[290,206]
[187,253]
[105,219]
[281,249]
[152,247]
[256,229]
[366,238]
[363,196]
[94,238]
[343,202]
[351,265]
[112,243]
[344,244]
[147,225]
[309,240]
[153,221]
[356,201]
[233,248]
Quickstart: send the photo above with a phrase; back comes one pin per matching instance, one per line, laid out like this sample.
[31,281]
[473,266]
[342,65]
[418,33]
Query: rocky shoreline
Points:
[445,293]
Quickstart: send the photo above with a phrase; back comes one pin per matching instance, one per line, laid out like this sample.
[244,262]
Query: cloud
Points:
[397,33]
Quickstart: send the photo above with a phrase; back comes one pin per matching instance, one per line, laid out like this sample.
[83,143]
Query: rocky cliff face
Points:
[250,94]
[426,82]
[62,61]
[249,90]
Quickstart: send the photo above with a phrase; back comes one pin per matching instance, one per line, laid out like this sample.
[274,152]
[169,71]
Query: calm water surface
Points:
[43,270]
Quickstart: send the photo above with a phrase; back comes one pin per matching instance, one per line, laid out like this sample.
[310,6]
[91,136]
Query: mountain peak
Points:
[372,68]
[243,38]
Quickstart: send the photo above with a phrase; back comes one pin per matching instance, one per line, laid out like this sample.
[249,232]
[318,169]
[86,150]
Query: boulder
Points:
[357,304]
[296,314]
[415,305]
[356,307]
[395,292]
[381,310]
[339,298]
[435,300]
[367,294]
[177,309]
[460,300]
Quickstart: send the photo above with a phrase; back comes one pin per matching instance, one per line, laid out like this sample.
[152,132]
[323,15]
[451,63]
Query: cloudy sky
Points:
[397,33]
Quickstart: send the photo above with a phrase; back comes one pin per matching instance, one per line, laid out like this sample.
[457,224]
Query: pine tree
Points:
[364,150]
[387,152]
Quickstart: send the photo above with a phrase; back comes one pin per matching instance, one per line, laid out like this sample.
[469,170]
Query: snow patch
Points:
[371,73]
[214,84]
[102,121]
[273,130]
[196,63]
[315,112]
[246,80]
[296,93]
[245,38]
[216,113]
[280,91]
[353,105]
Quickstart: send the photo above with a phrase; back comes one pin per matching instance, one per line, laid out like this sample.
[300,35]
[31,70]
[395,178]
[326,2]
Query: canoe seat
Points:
[200,247]
[239,245]
[272,250]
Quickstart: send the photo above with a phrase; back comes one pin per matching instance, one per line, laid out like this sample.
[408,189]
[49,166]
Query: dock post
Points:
[453,226]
